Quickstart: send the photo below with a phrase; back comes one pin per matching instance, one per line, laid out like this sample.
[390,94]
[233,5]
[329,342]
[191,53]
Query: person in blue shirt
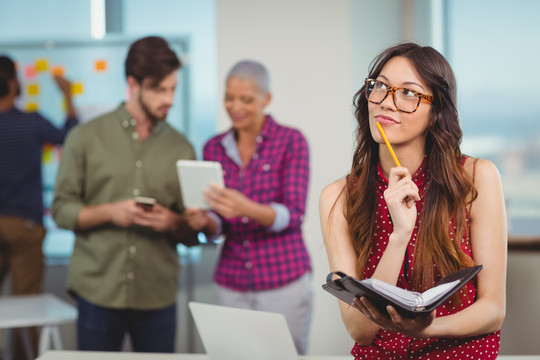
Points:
[22,136]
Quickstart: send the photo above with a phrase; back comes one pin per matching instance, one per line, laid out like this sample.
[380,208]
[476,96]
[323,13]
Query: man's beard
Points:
[147,111]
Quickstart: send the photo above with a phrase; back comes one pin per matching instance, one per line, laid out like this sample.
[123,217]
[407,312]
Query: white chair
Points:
[43,310]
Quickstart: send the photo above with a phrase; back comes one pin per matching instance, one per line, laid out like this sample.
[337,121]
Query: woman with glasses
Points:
[411,225]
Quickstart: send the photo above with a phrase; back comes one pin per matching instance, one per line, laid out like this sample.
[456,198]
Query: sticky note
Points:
[42,64]
[47,153]
[77,88]
[33,89]
[58,70]
[30,71]
[100,65]
[32,107]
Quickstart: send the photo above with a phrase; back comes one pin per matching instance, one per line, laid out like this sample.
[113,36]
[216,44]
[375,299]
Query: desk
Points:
[523,243]
[44,310]
[92,355]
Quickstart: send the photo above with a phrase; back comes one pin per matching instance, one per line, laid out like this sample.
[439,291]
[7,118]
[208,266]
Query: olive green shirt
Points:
[103,161]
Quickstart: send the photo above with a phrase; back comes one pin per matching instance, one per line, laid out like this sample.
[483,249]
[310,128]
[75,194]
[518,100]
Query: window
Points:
[492,47]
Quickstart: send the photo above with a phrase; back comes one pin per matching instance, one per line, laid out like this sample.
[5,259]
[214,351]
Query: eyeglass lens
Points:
[404,99]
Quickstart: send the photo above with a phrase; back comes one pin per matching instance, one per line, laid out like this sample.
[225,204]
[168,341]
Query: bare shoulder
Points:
[488,184]
[331,192]
[483,172]
[330,200]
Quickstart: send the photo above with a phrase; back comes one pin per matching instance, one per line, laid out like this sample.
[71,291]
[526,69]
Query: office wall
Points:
[305,44]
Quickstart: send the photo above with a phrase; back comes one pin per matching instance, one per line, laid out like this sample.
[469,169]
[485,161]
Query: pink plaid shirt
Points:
[255,257]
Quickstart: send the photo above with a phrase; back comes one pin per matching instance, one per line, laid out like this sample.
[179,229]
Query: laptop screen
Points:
[238,334]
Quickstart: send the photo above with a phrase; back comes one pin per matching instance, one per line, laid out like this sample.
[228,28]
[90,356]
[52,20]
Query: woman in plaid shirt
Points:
[264,264]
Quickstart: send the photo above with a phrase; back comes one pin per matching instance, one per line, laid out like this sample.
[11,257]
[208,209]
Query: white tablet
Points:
[195,177]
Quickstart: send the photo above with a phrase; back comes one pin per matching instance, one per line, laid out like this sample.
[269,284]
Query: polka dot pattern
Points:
[389,345]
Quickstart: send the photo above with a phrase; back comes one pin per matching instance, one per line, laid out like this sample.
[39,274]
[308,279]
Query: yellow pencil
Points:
[388,144]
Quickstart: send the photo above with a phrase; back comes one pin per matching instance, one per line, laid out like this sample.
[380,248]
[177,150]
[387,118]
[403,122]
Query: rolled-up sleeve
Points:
[283,216]
[48,133]
[295,180]
[219,225]
[68,190]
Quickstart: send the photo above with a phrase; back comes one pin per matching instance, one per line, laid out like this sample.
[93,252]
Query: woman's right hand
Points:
[227,202]
[401,196]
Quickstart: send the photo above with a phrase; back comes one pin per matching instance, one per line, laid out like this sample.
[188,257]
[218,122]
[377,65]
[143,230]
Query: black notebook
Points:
[407,303]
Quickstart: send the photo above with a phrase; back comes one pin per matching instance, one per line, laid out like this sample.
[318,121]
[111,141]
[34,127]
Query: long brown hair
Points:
[450,189]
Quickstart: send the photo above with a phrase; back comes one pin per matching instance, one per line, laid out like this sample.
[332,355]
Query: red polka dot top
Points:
[389,345]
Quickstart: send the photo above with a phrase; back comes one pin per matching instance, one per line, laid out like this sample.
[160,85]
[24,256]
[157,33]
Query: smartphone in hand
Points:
[145,203]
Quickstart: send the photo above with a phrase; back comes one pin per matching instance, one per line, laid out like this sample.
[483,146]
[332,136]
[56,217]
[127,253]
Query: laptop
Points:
[239,334]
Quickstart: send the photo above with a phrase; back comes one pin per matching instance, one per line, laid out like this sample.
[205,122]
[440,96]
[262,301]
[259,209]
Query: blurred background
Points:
[317,53]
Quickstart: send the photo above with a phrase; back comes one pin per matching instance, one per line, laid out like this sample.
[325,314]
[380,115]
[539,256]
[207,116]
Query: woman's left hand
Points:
[229,203]
[413,327]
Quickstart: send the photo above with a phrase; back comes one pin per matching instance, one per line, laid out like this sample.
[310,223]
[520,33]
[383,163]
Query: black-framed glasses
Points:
[405,100]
